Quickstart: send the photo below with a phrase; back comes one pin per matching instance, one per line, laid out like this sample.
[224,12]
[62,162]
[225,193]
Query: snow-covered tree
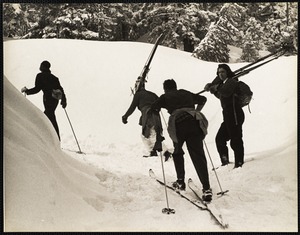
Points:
[251,40]
[15,23]
[183,27]
[249,52]
[202,28]
[214,46]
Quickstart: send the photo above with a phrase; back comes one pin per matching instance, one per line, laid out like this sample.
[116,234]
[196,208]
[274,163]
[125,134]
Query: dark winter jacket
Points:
[181,105]
[46,82]
[143,100]
[227,93]
[177,99]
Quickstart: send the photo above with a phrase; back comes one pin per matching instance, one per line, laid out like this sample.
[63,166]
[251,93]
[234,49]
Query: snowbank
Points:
[45,189]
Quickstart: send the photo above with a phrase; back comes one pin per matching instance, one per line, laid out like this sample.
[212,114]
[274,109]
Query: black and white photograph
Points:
[150,116]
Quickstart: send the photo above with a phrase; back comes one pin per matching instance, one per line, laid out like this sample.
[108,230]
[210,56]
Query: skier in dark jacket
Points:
[186,124]
[52,90]
[225,87]
[150,122]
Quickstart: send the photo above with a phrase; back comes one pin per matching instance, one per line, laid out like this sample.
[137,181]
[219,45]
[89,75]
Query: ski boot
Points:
[179,184]
[207,195]
[224,160]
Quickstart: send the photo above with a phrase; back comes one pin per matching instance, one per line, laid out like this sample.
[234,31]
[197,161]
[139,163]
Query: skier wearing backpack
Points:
[186,124]
[150,122]
[52,90]
[230,92]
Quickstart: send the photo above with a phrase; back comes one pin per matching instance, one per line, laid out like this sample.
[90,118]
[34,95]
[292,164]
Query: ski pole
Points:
[167,210]
[164,119]
[73,131]
[222,192]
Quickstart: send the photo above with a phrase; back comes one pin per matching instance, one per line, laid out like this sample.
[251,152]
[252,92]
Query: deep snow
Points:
[49,187]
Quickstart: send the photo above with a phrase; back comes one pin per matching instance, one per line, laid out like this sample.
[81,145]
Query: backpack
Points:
[244,94]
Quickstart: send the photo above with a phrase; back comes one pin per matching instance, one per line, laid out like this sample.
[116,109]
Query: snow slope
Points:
[49,187]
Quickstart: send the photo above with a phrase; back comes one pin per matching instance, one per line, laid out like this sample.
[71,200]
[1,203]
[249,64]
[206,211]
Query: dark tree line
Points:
[204,29]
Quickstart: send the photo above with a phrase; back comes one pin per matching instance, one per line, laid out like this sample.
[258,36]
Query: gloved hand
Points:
[213,89]
[63,104]
[207,86]
[24,89]
[124,119]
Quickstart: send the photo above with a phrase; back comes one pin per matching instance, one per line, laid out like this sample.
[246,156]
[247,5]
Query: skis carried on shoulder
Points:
[142,78]
[209,205]
[196,202]
[256,64]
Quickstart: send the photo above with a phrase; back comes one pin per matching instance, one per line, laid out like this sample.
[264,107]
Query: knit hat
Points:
[45,66]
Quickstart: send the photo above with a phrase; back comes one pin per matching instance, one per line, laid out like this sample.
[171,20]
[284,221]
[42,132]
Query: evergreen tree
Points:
[202,28]
[15,23]
[251,40]
[249,52]
[183,27]
[214,46]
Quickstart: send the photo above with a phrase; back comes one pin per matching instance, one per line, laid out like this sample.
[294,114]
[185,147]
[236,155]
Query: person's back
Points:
[176,99]
[145,98]
[46,82]
[142,99]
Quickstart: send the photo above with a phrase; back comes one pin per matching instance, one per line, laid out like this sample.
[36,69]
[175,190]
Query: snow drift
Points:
[41,182]
[108,188]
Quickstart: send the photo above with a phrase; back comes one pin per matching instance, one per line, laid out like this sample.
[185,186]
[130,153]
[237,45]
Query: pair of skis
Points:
[142,78]
[199,202]
[256,64]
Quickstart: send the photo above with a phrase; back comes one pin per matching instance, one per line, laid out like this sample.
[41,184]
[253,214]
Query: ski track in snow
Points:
[49,187]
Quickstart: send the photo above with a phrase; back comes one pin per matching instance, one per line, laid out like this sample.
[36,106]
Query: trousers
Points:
[188,131]
[50,107]
[231,129]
